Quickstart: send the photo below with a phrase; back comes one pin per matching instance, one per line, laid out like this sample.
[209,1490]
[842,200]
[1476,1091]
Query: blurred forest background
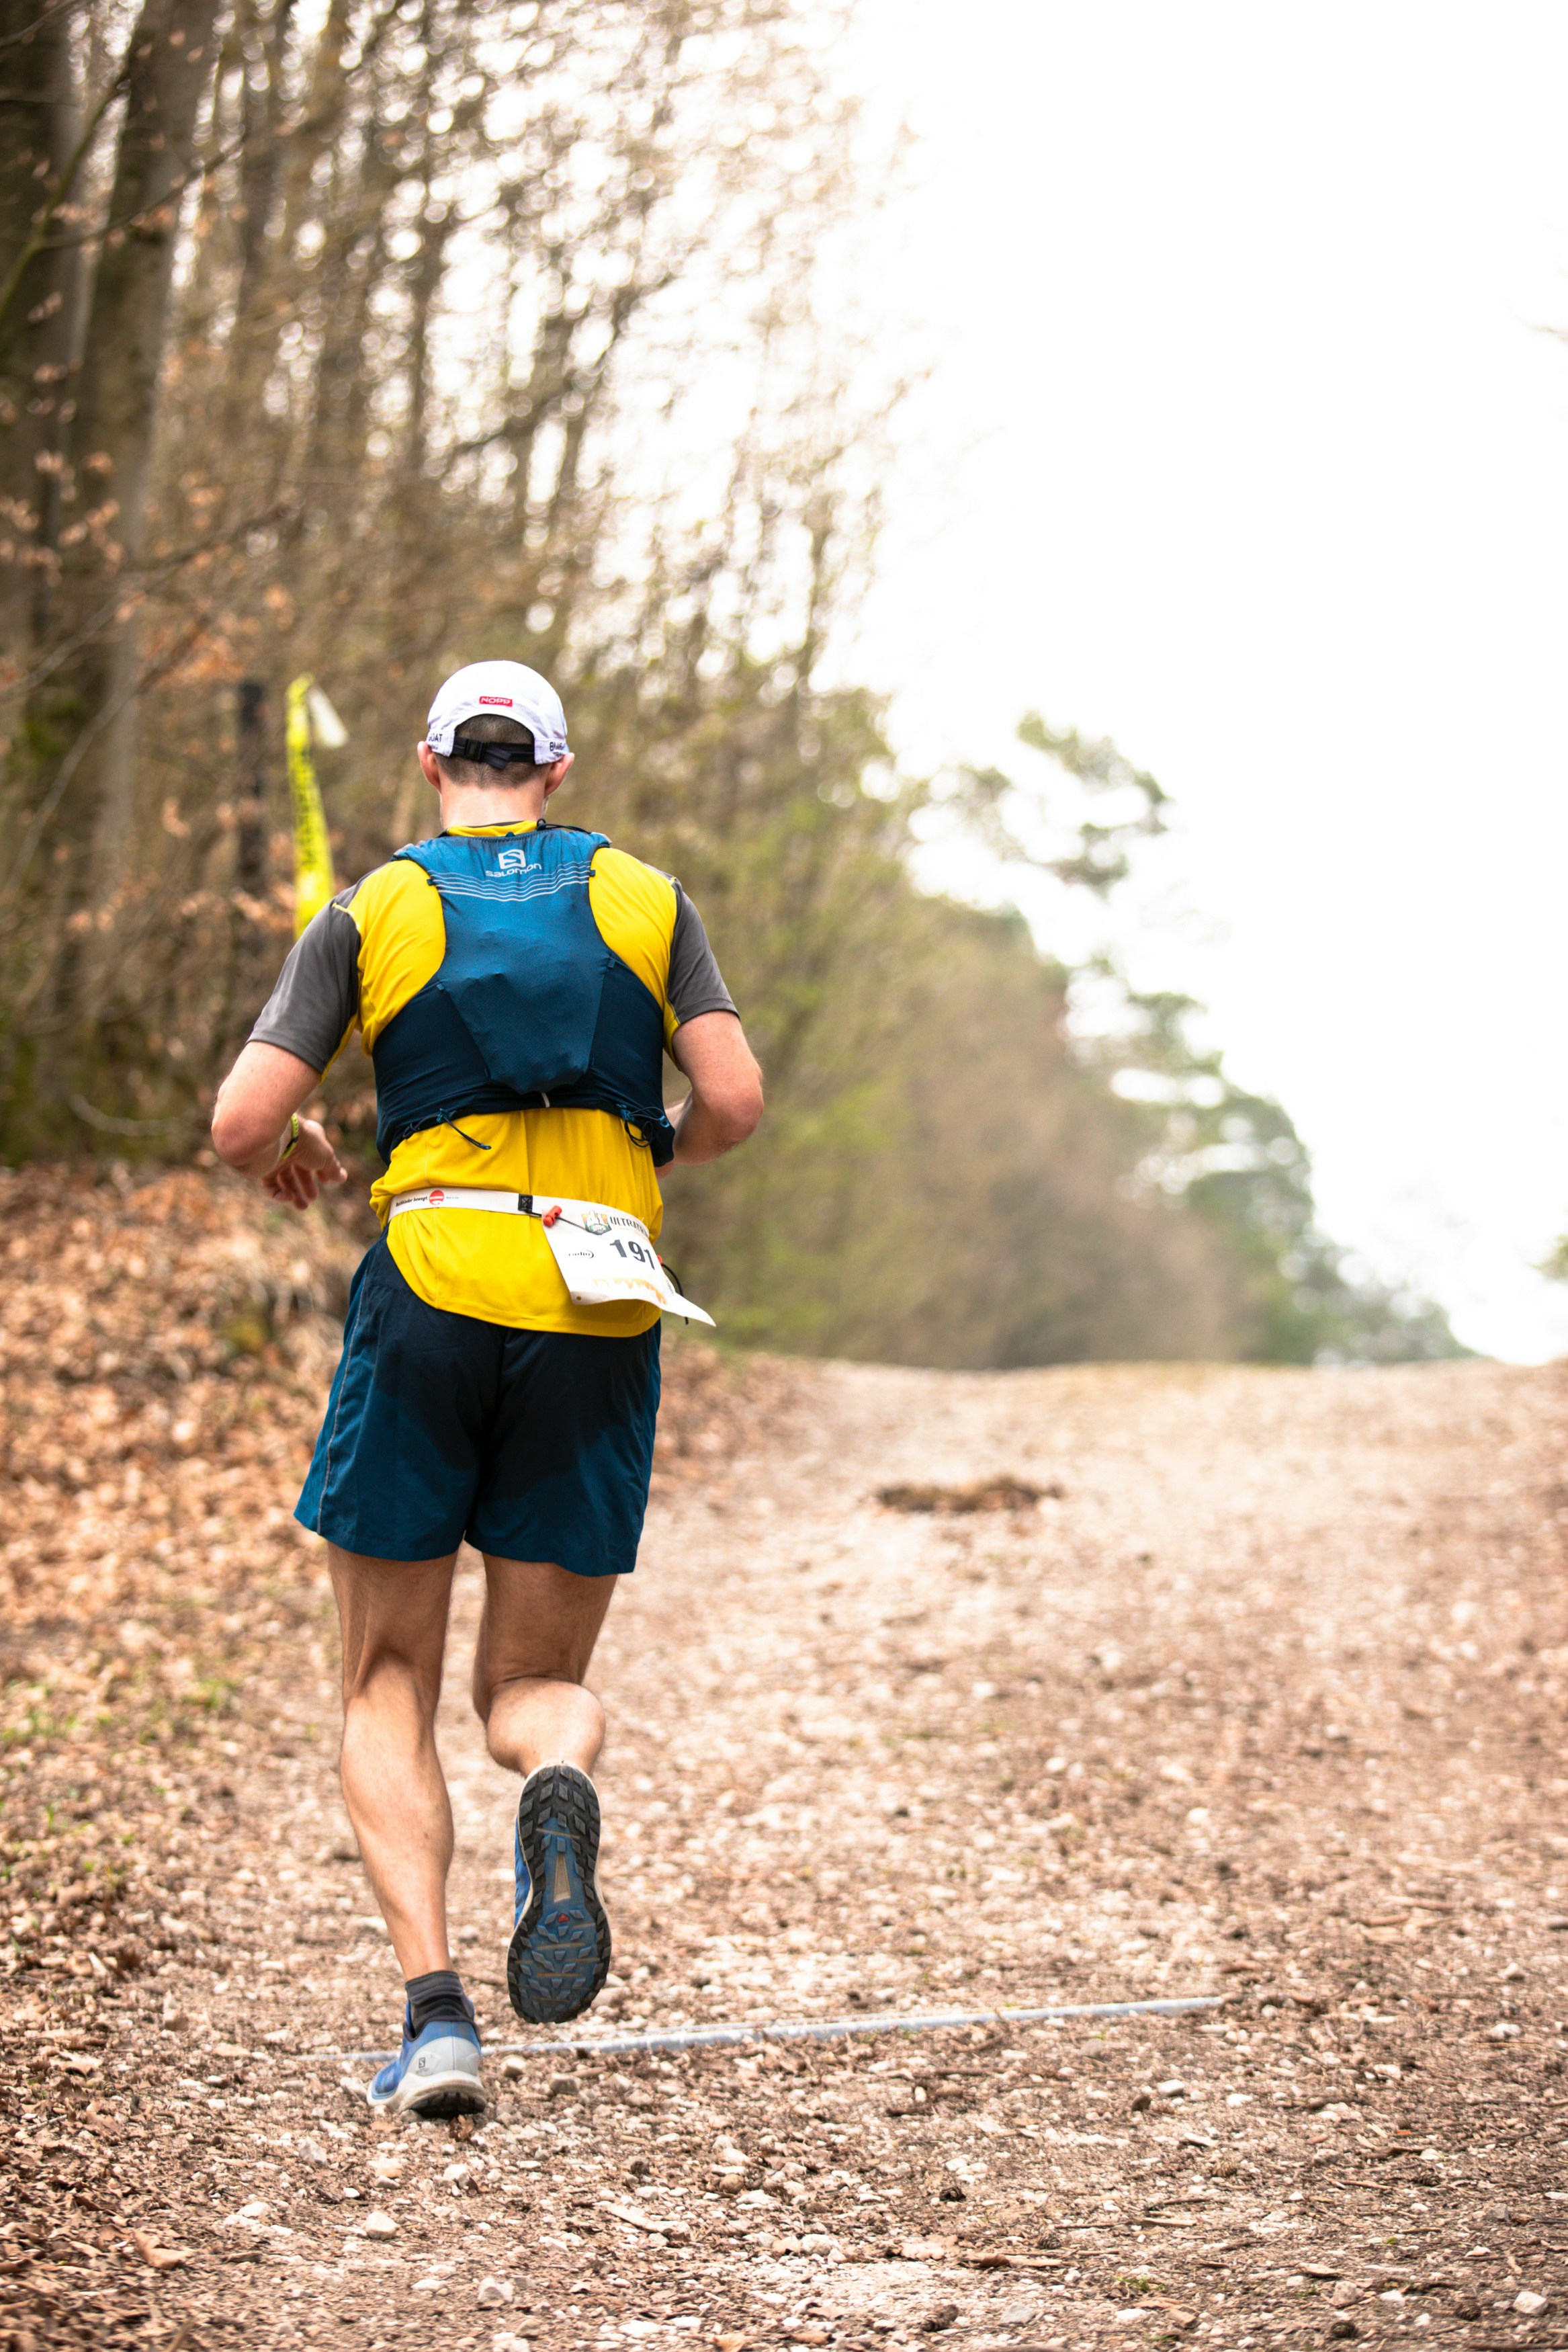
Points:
[371,336]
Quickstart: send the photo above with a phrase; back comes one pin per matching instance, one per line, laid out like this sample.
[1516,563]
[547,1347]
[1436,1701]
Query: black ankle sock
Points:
[437,1999]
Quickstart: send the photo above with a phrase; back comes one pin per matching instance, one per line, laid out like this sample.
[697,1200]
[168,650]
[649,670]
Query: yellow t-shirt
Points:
[468,1261]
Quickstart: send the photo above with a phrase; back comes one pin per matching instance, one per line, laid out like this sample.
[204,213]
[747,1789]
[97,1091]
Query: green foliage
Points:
[1554,1265]
[1235,1160]
[1095,856]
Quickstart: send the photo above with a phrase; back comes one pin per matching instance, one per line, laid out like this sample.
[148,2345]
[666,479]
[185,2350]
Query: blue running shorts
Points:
[534,1444]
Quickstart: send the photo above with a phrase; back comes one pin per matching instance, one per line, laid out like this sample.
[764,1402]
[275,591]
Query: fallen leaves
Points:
[1005,2260]
[157,2257]
[115,1371]
[1001,1494]
[635,2219]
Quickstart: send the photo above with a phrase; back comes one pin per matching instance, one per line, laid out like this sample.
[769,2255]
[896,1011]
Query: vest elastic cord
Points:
[443,1121]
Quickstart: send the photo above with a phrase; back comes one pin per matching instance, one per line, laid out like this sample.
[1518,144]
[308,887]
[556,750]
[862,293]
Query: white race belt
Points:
[604,1253]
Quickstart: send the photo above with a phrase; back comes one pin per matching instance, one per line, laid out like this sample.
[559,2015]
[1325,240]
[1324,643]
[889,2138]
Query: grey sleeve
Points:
[695,984]
[317,1000]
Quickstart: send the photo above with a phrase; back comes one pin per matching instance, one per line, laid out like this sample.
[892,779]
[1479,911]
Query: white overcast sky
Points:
[1246,445]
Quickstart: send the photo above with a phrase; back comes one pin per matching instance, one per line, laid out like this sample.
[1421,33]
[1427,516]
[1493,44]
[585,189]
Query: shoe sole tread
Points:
[549,1987]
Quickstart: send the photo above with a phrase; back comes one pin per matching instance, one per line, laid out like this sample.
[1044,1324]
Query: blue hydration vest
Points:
[529,1009]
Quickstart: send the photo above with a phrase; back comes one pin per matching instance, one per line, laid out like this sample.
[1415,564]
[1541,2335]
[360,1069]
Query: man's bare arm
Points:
[251,1119]
[726,1101]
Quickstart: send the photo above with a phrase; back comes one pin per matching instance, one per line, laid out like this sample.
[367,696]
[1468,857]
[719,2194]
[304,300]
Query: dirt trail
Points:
[1262,1696]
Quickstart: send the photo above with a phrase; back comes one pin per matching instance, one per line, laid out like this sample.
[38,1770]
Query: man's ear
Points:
[429,767]
[555,775]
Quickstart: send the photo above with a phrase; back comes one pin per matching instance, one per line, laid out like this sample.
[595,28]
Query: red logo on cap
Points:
[503,699]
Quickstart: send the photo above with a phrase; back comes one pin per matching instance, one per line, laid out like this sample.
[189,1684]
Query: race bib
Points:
[605,1253]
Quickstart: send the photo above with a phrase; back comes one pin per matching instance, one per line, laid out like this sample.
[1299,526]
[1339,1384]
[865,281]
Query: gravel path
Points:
[1261,1695]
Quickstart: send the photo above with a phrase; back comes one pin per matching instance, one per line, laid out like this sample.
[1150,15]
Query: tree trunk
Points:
[168,69]
[281,178]
[39,127]
[254,335]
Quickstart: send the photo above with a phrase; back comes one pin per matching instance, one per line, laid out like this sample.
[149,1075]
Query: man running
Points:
[516,985]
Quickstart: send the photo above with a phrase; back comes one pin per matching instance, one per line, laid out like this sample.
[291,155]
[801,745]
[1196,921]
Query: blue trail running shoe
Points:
[436,2072]
[559,1953]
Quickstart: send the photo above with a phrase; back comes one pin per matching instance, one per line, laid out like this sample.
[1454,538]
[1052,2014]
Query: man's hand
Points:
[312,1163]
[251,1120]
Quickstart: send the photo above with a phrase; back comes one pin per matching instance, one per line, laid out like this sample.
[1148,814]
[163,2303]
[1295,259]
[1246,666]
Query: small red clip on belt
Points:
[551,1216]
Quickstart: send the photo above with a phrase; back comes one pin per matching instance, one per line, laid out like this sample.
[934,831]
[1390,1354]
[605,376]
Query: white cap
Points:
[511,692]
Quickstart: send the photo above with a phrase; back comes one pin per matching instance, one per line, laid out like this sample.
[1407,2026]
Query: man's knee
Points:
[387,1676]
